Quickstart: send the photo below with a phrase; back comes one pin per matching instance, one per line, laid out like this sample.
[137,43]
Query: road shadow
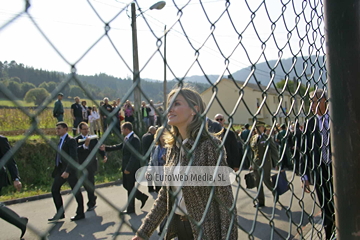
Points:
[84,229]
[270,218]
[298,218]
[259,230]
[133,221]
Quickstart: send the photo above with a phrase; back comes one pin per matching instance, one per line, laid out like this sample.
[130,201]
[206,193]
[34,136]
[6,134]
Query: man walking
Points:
[259,143]
[64,172]
[130,164]
[84,149]
[318,158]
[5,213]
[76,113]
[58,111]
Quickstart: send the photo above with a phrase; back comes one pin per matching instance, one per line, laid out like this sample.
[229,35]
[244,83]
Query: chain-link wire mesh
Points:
[280,49]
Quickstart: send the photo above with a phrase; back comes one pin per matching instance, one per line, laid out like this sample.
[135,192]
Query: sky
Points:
[210,36]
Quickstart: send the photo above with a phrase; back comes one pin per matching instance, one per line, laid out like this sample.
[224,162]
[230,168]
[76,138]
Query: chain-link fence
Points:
[263,65]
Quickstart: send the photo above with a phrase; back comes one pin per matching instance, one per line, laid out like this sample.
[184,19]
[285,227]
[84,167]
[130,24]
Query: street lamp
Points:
[158,6]
[136,71]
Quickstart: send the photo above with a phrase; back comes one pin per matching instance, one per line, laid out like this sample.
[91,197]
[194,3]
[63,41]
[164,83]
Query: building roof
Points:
[254,86]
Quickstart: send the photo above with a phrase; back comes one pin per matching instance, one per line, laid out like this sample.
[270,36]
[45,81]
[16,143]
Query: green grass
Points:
[10,103]
[12,194]
[35,156]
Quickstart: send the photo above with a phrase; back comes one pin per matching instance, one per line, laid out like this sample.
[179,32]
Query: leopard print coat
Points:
[219,221]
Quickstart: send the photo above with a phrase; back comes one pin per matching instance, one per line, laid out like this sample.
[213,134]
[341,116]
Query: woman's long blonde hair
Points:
[161,131]
[193,129]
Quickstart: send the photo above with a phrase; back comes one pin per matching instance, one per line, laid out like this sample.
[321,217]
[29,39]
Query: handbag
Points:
[250,180]
[282,185]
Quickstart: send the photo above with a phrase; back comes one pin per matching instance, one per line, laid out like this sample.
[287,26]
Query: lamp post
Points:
[136,71]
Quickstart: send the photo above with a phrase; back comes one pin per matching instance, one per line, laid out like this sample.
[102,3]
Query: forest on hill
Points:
[30,84]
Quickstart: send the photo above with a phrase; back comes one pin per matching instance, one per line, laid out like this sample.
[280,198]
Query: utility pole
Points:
[342,35]
[165,99]
[136,71]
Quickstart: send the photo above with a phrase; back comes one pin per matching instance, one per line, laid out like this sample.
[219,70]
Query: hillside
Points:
[280,69]
[20,79]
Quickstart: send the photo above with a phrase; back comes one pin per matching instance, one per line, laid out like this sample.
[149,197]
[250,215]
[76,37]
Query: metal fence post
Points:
[342,26]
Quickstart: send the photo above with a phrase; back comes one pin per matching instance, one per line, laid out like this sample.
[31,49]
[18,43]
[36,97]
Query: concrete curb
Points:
[48,195]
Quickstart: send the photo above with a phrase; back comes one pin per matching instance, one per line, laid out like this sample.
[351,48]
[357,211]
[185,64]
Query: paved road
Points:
[104,222]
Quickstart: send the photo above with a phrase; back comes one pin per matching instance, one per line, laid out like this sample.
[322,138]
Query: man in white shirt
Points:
[84,149]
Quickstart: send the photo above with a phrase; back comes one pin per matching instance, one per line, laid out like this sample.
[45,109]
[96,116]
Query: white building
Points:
[232,98]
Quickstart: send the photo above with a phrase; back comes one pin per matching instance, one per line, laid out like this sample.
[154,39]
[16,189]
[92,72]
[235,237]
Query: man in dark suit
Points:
[232,151]
[213,127]
[146,140]
[10,165]
[282,138]
[63,172]
[294,142]
[76,113]
[130,164]
[84,149]
[246,147]
[318,158]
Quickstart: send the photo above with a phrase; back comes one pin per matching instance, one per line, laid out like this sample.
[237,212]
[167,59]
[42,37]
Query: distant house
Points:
[252,100]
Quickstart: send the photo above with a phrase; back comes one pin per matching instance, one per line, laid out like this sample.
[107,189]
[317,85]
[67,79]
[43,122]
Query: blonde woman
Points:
[129,112]
[211,208]
[158,155]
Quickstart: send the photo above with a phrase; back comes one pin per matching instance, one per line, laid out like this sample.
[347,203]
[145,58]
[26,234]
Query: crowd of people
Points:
[260,148]
[99,121]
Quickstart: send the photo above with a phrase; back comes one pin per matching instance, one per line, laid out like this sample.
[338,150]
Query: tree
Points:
[51,86]
[292,87]
[25,87]
[36,95]
[2,86]
[15,79]
[76,91]
[66,89]
[44,85]
[15,88]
